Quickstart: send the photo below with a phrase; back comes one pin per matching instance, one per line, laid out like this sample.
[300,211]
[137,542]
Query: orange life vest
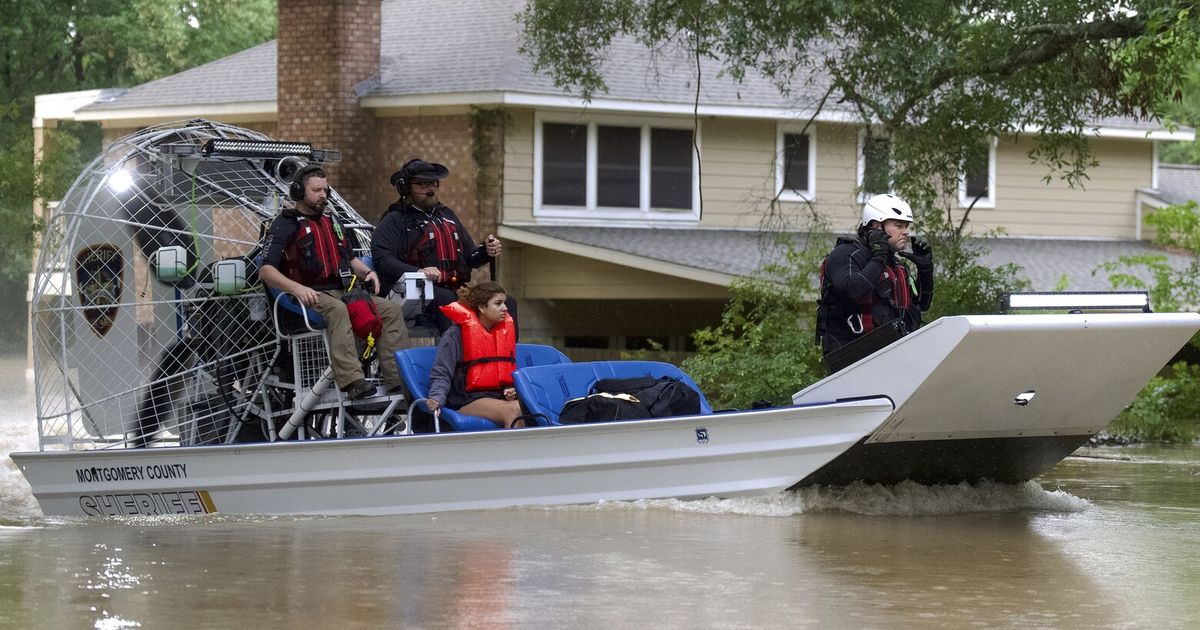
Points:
[490,356]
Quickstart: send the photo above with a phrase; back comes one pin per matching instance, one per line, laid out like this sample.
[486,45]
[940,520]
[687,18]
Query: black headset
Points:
[401,178]
[296,190]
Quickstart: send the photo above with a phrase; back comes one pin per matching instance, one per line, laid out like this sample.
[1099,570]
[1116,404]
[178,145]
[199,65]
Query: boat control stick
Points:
[306,405]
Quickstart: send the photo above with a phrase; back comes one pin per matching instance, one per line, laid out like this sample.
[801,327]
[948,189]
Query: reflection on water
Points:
[1097,543]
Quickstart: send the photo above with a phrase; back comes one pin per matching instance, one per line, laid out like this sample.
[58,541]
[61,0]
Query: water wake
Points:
[903,499]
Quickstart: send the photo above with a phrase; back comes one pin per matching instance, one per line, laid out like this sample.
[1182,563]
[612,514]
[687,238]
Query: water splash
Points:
[18,432]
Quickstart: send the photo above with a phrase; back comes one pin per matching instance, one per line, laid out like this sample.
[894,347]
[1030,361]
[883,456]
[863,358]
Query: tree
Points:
[51,46]
[937,78]
[1185,111]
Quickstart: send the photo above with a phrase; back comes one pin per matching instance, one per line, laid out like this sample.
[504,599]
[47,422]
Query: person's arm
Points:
[476,255]
[922,257]
[850,273]
[367,274]
[278,235]
[276,280]
[441,373]
[388,246]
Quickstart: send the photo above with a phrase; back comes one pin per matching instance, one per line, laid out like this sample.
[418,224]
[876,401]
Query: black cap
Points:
[419,170]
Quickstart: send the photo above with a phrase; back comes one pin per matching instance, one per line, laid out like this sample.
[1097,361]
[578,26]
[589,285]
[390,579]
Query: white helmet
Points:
[883,207]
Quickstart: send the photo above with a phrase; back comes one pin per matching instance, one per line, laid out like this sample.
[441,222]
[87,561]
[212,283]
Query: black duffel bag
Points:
[663,397]
[602,407]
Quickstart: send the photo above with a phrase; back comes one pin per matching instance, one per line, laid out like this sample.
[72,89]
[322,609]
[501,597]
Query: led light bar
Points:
[255,148]
[1078,301]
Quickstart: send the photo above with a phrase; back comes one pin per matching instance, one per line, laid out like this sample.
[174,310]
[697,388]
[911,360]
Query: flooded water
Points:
[1107,540]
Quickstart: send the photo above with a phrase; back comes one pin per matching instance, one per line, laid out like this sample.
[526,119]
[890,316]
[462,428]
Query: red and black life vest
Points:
[901,298]
[490,356]
[314,254]
[439,246]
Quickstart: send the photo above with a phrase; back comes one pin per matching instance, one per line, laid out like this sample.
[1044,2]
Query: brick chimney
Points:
[325,49]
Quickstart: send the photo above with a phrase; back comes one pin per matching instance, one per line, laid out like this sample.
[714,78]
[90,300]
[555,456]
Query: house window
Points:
[644,171]
[671,168]
[618,166]
[875,166]
[564,164]
[978,182]
[795,165]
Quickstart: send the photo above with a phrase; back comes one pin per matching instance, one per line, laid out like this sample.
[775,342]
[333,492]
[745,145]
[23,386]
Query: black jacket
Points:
[851,278]
[397,245]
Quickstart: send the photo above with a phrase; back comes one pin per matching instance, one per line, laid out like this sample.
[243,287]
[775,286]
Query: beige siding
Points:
[737,167]
[518,167]
[1102,207]
[738,171]
[551,275]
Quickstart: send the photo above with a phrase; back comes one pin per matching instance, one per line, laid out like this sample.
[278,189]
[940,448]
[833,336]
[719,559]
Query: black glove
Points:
[877,240]
[921,254]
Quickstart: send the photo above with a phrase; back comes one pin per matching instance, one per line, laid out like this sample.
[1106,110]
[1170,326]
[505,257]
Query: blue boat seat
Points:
[545,389]
[415,363]
[292,314]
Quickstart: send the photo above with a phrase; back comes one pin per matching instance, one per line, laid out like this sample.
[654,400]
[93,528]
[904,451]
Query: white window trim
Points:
[984,202]
[862,168]
[593,212]
[791,194]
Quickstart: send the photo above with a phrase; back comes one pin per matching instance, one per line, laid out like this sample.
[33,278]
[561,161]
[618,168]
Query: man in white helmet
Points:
[865,285]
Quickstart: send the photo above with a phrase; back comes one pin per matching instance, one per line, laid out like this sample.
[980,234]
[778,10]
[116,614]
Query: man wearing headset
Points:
[865,285]
[307,253]
[419,233]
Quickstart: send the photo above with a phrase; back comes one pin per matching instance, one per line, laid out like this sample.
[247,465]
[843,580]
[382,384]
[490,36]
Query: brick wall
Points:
[326,48]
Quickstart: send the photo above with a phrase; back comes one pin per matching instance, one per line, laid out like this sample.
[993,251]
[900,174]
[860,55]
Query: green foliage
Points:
[49,46]
[963,286]
[1167,410]
[764,348]
[937,78]
[1172,289]
[1177,226]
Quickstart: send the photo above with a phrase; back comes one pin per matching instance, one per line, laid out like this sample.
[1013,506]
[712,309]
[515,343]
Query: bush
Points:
[1167,410]
[764,348]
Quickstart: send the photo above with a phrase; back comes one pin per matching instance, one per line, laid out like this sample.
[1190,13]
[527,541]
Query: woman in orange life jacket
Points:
[864,284]
[472,371]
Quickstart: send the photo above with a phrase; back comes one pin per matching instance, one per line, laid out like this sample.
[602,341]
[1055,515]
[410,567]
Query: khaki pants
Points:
[342,351]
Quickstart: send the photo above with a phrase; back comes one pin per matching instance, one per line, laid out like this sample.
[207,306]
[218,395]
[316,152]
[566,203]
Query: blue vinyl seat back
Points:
[415,363]
[531,354]
[545,389]
[291,315]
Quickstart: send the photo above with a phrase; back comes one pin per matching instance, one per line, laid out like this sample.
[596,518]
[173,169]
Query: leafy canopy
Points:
[49,46]
[936,77]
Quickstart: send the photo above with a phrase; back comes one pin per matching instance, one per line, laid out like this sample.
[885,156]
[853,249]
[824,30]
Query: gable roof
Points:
[244,80]
[467,53]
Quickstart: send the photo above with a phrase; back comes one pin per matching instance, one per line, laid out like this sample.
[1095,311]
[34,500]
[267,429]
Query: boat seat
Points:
[545,389]
[415,363]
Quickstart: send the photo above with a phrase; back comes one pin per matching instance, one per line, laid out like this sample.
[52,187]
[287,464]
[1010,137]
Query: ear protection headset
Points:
[402,180]
[296,190]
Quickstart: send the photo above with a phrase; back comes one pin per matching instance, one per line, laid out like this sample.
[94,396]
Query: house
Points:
[616,233]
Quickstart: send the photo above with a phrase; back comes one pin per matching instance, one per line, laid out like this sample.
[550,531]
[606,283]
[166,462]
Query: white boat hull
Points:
[724,455]
[1000,397]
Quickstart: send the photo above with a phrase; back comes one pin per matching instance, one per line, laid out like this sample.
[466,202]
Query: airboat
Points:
[168,381]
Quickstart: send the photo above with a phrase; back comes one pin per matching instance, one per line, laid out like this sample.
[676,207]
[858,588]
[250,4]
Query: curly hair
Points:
[477,296]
